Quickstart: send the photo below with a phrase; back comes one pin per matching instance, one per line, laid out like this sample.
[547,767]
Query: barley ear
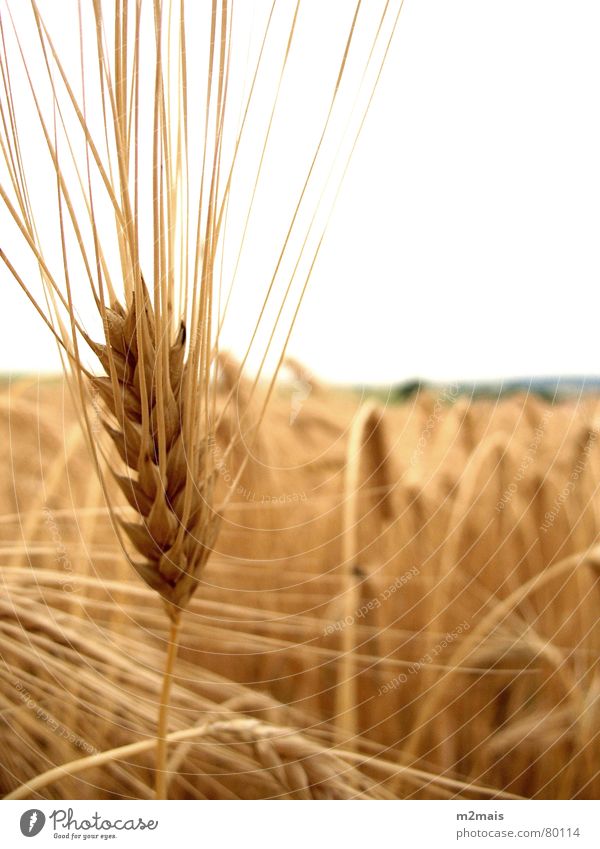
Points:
[164,475]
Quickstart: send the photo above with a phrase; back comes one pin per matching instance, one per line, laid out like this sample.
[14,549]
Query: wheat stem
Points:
[160,785]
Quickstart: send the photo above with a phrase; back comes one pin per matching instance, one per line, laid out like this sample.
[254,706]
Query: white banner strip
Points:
[306,825]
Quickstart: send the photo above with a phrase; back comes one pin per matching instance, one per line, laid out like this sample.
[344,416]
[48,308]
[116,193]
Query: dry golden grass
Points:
[402,603]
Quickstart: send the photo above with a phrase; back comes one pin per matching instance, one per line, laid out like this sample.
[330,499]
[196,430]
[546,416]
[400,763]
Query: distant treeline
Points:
[549,388]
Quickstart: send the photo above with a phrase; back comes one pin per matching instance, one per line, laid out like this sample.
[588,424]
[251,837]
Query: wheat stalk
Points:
[366,447]
[161,341]
[168,485]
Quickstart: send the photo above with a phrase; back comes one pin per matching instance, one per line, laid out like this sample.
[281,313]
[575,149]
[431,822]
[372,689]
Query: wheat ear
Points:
[159,391]
[365,443]
[175,526]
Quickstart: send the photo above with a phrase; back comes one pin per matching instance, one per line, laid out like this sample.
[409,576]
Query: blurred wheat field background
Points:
[402,603]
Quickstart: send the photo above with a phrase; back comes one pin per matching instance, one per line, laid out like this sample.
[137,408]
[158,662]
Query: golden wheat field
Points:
[402,603]
[223,577]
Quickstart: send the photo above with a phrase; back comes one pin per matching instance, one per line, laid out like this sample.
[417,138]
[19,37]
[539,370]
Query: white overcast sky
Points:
[465,240]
